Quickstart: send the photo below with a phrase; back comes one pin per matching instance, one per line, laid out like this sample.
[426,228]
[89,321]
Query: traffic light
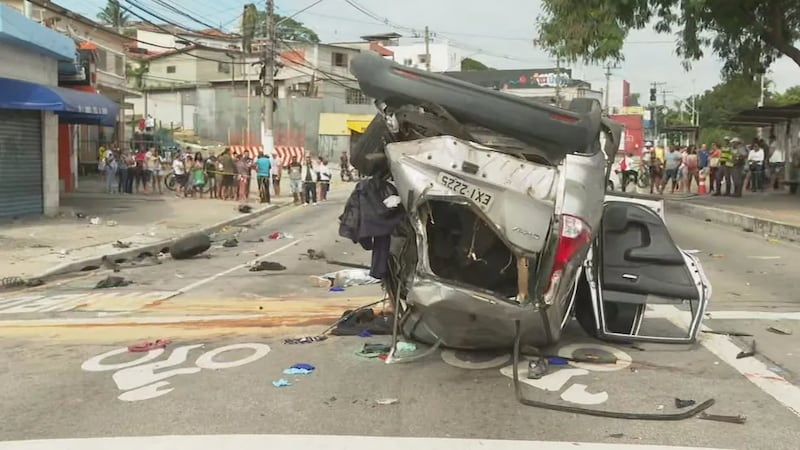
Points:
[652,94]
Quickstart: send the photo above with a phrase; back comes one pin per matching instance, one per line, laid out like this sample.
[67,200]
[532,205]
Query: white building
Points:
[411,52]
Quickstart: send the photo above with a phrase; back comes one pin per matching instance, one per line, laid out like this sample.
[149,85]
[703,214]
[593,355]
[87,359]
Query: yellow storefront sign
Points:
[337,124]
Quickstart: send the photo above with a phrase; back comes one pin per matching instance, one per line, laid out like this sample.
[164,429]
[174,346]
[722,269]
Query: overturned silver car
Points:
[504,231]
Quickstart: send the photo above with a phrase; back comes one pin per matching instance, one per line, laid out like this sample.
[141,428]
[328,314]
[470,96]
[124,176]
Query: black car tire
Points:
[189,246]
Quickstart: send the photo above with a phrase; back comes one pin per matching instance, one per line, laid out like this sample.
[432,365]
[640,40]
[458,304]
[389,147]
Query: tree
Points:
[136,72]
[287,30]
[789,97]
[113,15]
[473,64]
[747,34]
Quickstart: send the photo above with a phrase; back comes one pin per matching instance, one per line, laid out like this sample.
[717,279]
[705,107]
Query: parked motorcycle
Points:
[508,231]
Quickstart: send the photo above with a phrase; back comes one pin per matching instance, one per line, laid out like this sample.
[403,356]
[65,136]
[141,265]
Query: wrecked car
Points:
[507,231]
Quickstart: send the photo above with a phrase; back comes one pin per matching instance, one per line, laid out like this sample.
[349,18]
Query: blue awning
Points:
[70,105]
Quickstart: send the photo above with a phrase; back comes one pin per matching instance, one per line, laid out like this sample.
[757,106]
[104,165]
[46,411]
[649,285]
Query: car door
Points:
[634,263]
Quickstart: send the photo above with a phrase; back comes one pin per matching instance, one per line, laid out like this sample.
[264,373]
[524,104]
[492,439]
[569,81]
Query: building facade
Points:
[32,111]
[214,93]
[104,52]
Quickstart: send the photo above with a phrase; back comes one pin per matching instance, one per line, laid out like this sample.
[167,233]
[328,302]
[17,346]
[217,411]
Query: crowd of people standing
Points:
[225,176]
[731,165]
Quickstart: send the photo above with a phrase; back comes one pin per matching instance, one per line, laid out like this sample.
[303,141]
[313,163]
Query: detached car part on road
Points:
[509,231]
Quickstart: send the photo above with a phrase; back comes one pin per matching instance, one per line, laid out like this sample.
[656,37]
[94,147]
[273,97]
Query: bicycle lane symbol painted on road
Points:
[559,377]
[139,380]
[577,393]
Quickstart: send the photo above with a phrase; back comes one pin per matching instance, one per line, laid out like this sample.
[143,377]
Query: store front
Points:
[31,109]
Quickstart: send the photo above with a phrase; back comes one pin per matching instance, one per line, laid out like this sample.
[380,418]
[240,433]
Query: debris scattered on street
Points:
[149,345]
[15,282]
[372,351]
[281,383]
[716,255]
[267,265]
[121,244]
[305,340]
[112,223]
[344,279]
[557,361]
[406,347]
[740,420]
[616,435]
[95,221]
[353,323]
[537,368]
[112,282]
[300,369]
[245,209]
[386,401]
[107,263]
[336,289]
[749,353]
[728,333]
[229,243]
[315,254]
[364,334]
[660,407]
[280,235]
[680,404]
[777,329]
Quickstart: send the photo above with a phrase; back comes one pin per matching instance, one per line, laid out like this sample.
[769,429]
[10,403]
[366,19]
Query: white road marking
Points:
[332,442]
[764,257]
[654,312]
[754,370]
[145,379]
[558,378]
[199,283]
[93,300]
[125,320]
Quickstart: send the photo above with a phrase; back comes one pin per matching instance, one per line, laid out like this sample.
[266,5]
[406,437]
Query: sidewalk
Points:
[44,246]
[776,214]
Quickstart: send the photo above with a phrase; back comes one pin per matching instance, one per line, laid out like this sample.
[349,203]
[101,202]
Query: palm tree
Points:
[114,15]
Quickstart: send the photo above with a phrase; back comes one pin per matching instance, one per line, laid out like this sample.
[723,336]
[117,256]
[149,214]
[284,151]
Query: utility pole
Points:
[268,87]
[653,102]
[609,67]
[427,49]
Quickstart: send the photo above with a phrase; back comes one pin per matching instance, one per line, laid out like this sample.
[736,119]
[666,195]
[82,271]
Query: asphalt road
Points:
[66,374]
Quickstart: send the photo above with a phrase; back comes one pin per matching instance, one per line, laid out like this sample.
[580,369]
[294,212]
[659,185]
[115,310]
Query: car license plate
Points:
[480,197]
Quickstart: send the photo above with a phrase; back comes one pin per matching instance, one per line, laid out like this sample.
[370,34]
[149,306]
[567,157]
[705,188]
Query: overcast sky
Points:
[498,33]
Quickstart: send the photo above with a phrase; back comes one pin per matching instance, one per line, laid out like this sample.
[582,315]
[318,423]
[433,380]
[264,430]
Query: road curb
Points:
[773,228]
[156,247]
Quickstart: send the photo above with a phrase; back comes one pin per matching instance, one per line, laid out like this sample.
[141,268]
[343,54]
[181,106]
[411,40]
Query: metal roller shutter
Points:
[21,189]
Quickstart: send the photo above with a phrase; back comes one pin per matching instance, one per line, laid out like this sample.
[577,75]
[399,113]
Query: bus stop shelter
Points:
[783,122]
[687,134]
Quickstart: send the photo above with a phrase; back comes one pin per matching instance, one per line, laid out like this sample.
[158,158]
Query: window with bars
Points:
[339,59]
[355,97]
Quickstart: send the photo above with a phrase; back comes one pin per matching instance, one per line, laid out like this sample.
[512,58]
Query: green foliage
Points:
[748,35]
[136,73]
[790,97]
[473,64]
[113,15]
[287,29]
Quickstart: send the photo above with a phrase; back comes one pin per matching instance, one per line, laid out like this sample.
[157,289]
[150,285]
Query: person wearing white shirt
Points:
[325,176]
[777,162]
[179,170]
[276,169]
[755,160]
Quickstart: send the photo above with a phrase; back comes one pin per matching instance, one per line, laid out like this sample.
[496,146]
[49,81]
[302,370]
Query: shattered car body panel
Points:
[507,222]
